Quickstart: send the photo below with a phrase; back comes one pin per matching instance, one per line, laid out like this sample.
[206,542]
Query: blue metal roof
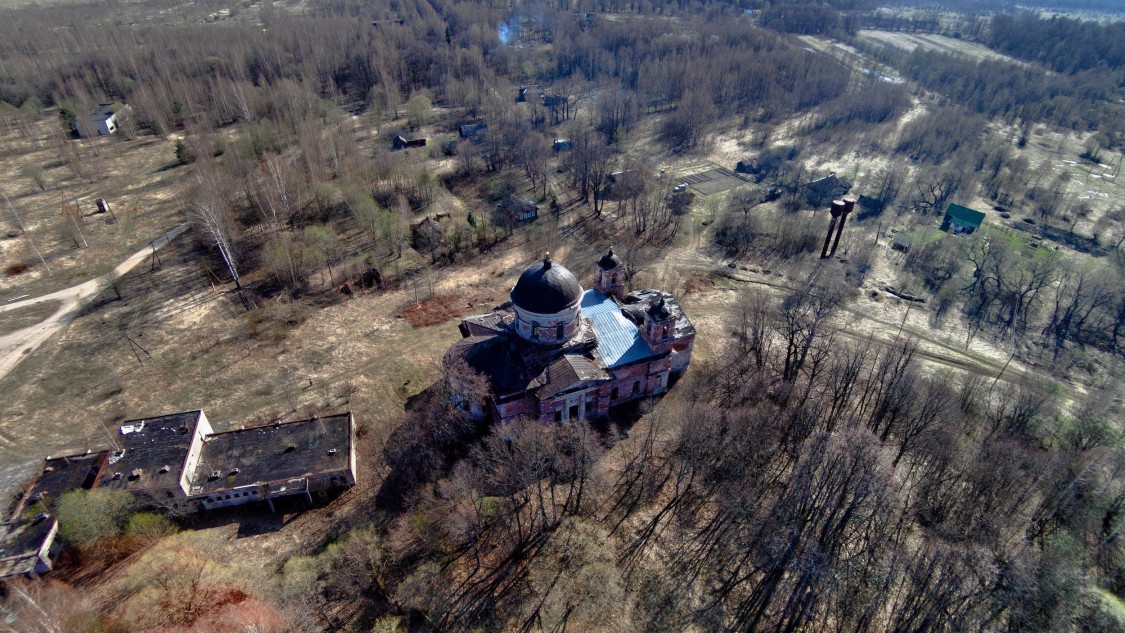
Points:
[594,302]
[619,340]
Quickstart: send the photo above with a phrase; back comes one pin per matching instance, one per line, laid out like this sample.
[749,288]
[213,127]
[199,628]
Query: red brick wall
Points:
[516,408]
[649,375]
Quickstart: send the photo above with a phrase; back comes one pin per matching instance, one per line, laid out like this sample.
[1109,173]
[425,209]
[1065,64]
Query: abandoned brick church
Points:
[558,353]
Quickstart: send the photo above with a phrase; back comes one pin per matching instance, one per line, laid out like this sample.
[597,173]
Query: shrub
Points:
[89,516]
[148,526]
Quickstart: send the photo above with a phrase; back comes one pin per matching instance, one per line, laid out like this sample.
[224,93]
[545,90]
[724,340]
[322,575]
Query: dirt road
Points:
[18,345]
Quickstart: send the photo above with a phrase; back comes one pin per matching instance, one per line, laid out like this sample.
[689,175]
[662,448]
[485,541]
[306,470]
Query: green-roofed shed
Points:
[959,219]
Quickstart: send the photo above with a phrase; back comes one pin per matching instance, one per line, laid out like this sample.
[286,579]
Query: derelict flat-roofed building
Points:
[560,352]
[307,457]
[57,476]
[155,458]
[178,462]
[27,547]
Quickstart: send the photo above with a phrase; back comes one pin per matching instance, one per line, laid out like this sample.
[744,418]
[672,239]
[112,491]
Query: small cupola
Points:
[659,327]
[610,275]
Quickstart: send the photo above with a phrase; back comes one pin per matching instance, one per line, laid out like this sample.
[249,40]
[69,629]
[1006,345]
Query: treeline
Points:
[735,68]
[808,19]
[1061,44]
[805,480]
[1005,91]
[1033,297]
[342,52]
[222,74]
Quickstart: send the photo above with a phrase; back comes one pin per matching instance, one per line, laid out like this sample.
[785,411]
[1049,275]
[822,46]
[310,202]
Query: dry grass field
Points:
[139,178]
[18,319]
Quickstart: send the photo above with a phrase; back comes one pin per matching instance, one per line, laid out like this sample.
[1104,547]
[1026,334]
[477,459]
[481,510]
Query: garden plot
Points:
[714,180]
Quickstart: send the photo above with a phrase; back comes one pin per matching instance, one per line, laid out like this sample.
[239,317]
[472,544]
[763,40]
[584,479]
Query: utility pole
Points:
[908,304]
[74,220]
[23,230]
[999,374]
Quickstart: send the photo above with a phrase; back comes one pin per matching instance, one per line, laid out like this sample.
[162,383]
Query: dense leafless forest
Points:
[806,475]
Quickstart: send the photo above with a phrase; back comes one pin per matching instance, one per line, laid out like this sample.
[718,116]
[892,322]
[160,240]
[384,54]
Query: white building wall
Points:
[108,126]
[202,430]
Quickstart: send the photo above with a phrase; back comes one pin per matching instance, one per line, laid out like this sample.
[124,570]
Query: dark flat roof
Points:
[104,111]
[271,453]
[59,475]
[150,446]
[20,542]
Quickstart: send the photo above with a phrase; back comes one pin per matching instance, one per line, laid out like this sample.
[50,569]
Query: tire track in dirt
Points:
[20,344]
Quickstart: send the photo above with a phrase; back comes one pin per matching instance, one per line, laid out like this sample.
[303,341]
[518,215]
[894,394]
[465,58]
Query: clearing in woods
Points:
[930,41]
[139,178]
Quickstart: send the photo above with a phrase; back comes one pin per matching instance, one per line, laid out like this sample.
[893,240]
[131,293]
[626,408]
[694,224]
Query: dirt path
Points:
[18,345]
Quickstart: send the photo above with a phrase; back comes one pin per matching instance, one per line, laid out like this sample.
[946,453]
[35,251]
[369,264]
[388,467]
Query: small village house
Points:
[959,219]
[102,121]
[822,191]
[401,142]
[516,210]
[472,131]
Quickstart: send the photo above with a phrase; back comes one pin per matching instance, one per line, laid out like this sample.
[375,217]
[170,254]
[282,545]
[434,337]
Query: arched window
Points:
[560,329]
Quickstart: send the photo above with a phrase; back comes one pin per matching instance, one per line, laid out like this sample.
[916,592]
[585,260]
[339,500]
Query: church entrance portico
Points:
[579,405]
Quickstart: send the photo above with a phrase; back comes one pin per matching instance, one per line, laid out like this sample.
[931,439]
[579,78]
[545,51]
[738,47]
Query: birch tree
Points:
[210,212]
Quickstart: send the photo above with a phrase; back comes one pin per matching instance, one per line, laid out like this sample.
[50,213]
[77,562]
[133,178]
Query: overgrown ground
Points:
[175,340]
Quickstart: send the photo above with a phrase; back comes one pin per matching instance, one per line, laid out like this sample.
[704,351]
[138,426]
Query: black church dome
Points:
[546,288]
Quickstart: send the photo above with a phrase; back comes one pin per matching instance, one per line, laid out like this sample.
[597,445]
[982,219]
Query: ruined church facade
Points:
[559,352]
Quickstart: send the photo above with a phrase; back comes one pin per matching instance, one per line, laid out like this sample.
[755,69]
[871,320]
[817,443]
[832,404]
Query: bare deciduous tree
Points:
[210,211]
